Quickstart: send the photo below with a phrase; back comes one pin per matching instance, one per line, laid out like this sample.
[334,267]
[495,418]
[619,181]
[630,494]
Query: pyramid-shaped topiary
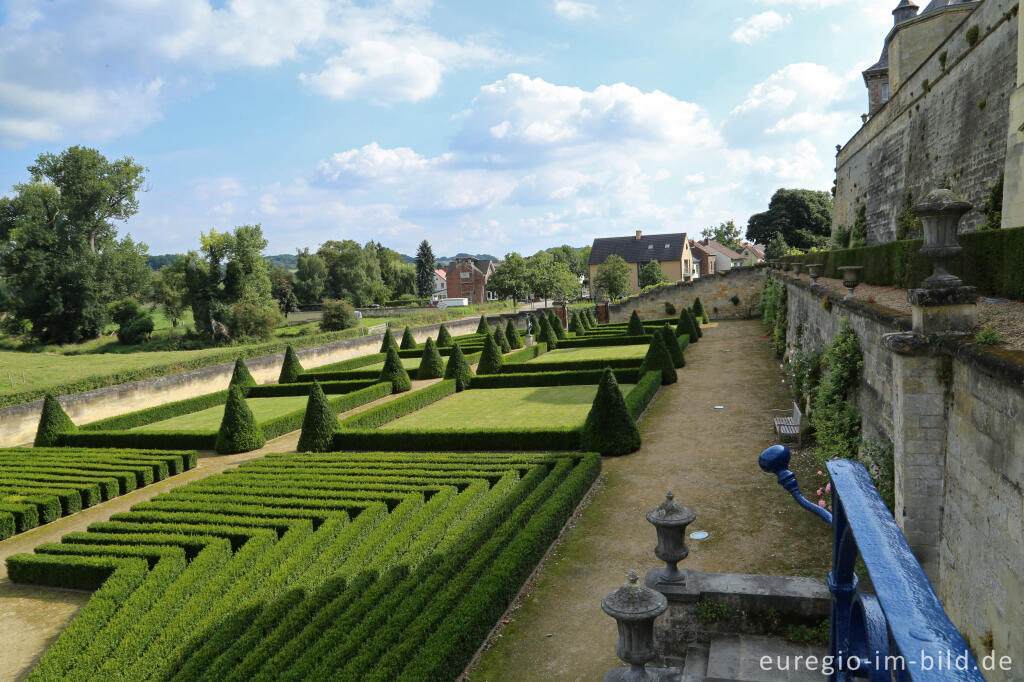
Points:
[636,327]
[319,423]
[408,342]
[512,335]
[672,344]
[431,365]
[685,325]
[547,333]
[239,431]
[241,377]
[388,341]
[444,337]
[556,324]
[52,422]
[458,367]
[291,369]
[658,358]
[696,324]
[483,327]
[592,316]
[490,359]
[499,338]
[576,324]
[699,312]
[692,326]
[394,371]
[609,428]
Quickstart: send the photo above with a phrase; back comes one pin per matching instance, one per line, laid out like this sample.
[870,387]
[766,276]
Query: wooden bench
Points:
[791,425]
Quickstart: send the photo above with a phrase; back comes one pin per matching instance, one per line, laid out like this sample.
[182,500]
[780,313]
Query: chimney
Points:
[639,234]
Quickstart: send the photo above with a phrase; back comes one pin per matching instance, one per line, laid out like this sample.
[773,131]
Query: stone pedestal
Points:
[944,310]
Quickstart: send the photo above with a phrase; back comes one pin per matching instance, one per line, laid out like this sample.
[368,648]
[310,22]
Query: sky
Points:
[482,127]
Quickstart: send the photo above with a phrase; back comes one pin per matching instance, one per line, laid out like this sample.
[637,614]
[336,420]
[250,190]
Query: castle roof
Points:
[936,5]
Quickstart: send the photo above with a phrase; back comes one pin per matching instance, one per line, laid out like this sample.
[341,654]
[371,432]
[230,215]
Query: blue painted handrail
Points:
[901,632]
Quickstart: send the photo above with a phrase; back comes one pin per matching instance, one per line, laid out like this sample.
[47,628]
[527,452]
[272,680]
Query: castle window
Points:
[885,92]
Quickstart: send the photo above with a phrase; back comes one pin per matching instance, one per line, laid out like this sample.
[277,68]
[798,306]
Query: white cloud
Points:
[759,26]
[574,11]
[802,164]
[806,82]
[810,122]
[696,179]
[378,71]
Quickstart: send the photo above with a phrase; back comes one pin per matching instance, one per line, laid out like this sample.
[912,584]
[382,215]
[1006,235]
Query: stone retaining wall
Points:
[715,292]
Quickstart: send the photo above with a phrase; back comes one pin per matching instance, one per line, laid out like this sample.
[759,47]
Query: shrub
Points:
[458,367]
[698,310]
[687,326]
[512,335]
[609,428]
[989,337]
[394,371]
[388,342]
[576,325]
[483,327]
[836,417]
[337,315]
[547,332]
[240,377]
[556,323]
[658,359]
[670,308]
[592,317]
[431,366]
[135,331]
[291,368]
[636,327]
[972,35]
[444,337]
[576,377]
[696,324]
[642,393]
[490,361]
[672,344]
[319,423]
[239,431]
[408,342]
[499,338]
[52,422]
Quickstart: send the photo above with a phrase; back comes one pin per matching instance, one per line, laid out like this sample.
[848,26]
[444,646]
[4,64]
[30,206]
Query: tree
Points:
[726,234]
[482,327]
[777,247]
[547,332]
[859,232]
[394,371]
[238,431]
[556,323]
[134,325]
[804,217]
[311,277]
[572,257]
[398,276]
[511,278]
[686,325]
[699,312]
[319,424]
[651,274]
[431,365]
[282,289]
[353,272]
[291,369]
[609,428]
[499,338]
[613,277]
[425,264]
[169,290]
[337,315]
[576,325]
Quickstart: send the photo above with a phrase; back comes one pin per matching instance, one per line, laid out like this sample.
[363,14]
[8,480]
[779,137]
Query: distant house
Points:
[752,253]
[725,258]
[704,260]
[440,285]
[467,278]
[671,251]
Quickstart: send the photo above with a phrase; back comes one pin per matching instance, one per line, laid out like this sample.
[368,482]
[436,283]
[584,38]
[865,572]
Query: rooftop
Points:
[639,248]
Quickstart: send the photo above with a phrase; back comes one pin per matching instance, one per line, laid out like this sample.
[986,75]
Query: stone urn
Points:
[634,608]
[851,277]
[670,520]
[796,269]
[814,270]
[940,213]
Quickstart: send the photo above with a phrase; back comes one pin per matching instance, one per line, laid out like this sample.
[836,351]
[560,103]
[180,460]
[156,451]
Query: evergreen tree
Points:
[699,312]
[408,342]
[609,429]
[693,329]
[499,338]
[425,264]
[319,424]
[547,333]
[431,365]
[636,327]
[238,431]
[490,360]
[512,335]
[483,327]
[576,324]
[658,358]
[291,369]
[592,316]
[556,323]
[696,324]
[394,371]
[458,368]
[672,344]
[685,325]
[444,337]
[241,377]
[388,342]
[52,422]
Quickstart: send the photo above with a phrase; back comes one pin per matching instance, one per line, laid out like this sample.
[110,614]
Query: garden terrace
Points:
[378,566]
[39,485]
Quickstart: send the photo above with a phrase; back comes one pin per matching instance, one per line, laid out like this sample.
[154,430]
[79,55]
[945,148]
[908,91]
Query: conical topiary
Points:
[458,367]
[444,337]
[241,377]
[52,422]
[239,431]
[696,324]
[388,341]
[499,338]
[556,324]
[408,342]
[609,428]
[592,316]
[672,344]
[319,423]
[431,366]
[685,325]
[699,312]
[490,359]
[547,334]
[636,327]
[658,358]
[483,327]
[576,324]
[394,371]
[512,335]
[691,326]
[291,369]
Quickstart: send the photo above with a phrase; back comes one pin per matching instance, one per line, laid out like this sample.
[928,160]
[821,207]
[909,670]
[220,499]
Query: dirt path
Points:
[708,457]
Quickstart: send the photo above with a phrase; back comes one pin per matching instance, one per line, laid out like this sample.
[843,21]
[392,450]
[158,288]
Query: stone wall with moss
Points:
[716,293]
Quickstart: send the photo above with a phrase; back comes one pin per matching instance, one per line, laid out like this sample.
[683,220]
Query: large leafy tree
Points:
[169,290]
[425,264]
[510,279]
[726,234]
[549,278]
[612,277]
[353,272]
[399,277]
[802,216]
[651,274]
[310,277]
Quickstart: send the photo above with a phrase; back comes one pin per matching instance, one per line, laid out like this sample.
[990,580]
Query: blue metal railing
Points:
[901,632]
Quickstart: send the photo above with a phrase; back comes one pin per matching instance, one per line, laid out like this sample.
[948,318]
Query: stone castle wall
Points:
[715,292]
[944,122]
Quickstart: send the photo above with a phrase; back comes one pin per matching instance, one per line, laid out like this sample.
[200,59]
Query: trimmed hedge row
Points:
[569,365]
[499,440]
[640,396]
[151,415]
[329,387]
[390,411]
[578,377]
[589,341]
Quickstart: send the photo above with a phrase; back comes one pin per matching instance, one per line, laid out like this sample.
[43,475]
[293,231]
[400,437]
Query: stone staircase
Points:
[738,659]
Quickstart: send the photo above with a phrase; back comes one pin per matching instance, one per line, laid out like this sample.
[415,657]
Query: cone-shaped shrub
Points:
[408,342]
[692,328]
[576,325]
[490,360]
[658,358]
[672,344]
[556,324]
[458,367]
[547,334]
[319,424]
[636,327]
[698,310]
[394,371]
[686,326]
[388,341]
[291,369]
[512,335]
[239,431]
[461,383]
[52,422]
[444,337]
[609,429]
[696,324]
[241,377]
[499,338]
[431,366]
[592,316]
[483,327]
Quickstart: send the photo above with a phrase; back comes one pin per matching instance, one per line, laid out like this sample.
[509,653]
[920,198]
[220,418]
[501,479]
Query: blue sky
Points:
[479,126]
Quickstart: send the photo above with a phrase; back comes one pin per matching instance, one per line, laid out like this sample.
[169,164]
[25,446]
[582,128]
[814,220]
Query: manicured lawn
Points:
[209,419]
[596,353]
[502,408]
[408,363]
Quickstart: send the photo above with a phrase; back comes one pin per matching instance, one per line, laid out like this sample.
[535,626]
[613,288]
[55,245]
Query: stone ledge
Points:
[873,311]
[962,295]
[748,592]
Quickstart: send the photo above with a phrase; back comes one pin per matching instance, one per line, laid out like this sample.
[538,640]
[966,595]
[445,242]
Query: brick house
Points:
[704,260]
[726,258]
[671,251]
[467,278]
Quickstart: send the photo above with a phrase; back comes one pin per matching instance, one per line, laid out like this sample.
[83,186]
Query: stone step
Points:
[740,659]
[696,667]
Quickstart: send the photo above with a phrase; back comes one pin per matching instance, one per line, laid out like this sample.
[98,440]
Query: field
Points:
[596,353]
[209,419]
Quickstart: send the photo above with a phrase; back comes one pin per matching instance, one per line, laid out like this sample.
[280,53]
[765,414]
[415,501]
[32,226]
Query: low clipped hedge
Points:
[577,377]
[338,404]
[392,410]
[640,396]
[528,353]
[569,365]
[589,341]
[456,440]
[328,387]
[159,413]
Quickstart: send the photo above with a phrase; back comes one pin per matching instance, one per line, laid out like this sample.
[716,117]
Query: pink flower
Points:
[819,493]
[828,487]
[821,503]
[819,472]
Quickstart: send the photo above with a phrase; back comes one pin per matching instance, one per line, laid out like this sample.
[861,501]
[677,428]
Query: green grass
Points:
[503,408]
[209,419]
[408,363]
[596,353]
